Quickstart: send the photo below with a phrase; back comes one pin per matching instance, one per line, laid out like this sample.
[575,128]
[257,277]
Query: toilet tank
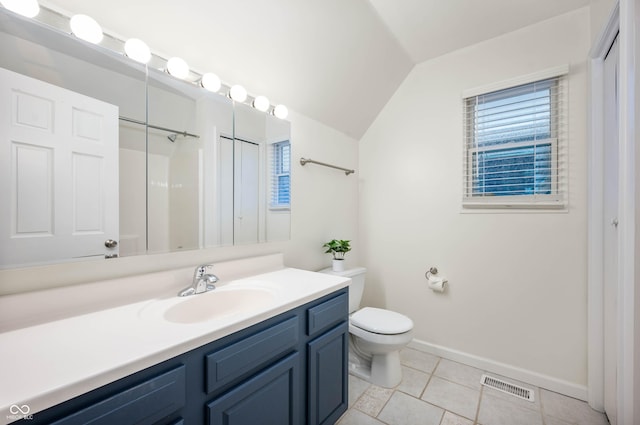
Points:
[357,284]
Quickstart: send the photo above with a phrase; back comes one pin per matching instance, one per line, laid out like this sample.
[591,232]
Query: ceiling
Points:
[335,61]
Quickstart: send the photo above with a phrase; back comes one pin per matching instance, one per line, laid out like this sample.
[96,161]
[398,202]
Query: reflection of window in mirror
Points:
[280,175]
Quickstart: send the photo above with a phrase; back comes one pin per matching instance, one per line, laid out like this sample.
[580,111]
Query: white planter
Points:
[338,265]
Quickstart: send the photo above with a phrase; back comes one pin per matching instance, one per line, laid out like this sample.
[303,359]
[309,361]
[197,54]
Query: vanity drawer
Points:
[145,403]
[329,313]
[250,354]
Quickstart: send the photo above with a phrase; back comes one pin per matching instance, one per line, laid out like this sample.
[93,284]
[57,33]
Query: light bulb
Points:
[280,111]
[86,28]
[178,68]
[210,82]
[28,8]
[238,93]
[261,103]
[137,50]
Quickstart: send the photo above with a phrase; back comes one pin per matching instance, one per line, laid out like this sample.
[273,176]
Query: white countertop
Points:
[47,363]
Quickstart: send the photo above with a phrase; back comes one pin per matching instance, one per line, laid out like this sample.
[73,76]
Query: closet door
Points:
[246,185]
[611,291]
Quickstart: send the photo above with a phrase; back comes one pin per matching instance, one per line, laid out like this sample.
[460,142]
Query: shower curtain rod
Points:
[304,161]
[182,133]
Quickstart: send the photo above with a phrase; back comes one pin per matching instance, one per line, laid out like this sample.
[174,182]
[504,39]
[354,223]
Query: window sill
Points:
[520,207]
[280,209]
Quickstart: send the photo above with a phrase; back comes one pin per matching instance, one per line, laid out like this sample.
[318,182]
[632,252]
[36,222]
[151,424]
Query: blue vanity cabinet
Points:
[327,355]
[290,369]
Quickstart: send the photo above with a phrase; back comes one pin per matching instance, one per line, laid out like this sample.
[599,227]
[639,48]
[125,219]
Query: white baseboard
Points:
[534,378]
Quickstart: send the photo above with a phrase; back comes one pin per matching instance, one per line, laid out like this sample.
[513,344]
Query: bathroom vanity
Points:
[282,362]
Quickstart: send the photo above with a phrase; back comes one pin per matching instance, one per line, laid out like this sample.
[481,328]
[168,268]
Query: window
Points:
[514,146]
[280,175]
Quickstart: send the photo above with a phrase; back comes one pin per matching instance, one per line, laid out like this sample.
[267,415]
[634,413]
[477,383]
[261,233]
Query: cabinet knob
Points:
[110,243]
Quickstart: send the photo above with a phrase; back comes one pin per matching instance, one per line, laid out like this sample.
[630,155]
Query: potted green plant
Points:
[337,248]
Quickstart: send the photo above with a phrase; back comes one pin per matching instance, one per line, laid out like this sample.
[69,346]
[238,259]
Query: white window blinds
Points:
[280,175]
[515,146]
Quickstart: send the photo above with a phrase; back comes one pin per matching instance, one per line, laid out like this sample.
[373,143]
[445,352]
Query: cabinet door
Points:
[328,392]
[143,404]
[271,397]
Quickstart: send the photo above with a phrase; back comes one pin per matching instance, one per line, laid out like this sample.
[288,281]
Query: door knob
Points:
[110,243]
[614,222]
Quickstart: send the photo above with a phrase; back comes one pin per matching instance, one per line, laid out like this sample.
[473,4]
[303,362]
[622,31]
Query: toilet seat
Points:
[380,321]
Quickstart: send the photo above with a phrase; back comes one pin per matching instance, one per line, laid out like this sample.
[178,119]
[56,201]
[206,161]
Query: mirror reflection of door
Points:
[246,192]
[240,191]
[59,173]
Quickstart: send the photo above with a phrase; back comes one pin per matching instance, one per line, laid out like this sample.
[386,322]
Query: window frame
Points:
[274,196]
[558,197]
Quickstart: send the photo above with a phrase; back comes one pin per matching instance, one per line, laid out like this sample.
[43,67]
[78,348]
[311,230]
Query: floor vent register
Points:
[506,387]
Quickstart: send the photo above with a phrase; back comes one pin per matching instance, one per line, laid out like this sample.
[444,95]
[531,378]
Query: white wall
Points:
[133,223]
[158,201]
[324,201]
[184,194]
[517,292]
[600,12]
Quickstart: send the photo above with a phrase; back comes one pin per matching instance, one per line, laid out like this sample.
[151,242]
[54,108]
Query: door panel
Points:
[33,168]
[271,397]
[58,172]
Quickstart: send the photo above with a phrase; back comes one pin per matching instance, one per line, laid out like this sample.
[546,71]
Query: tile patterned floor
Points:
[437,391]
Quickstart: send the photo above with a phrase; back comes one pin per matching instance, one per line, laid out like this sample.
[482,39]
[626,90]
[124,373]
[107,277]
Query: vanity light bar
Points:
[141,53]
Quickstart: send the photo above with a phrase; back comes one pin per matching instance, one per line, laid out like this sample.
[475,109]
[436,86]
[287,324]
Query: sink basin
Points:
[217,304]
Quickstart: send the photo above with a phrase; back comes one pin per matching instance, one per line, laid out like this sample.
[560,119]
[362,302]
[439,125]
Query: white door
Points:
[225,190]
[58,173]
[611,150]
[239,191]
[246,192]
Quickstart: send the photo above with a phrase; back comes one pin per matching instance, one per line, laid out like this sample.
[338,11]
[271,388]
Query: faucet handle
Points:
[201,270]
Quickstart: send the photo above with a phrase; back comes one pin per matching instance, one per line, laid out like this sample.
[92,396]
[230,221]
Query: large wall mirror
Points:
[103,157]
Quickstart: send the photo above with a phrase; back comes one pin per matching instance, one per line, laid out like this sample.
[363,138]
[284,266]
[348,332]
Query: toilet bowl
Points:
[376,336]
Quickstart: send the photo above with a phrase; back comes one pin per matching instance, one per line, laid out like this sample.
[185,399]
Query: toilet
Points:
[376,335]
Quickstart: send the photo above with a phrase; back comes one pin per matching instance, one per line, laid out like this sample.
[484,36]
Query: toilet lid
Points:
[381,321]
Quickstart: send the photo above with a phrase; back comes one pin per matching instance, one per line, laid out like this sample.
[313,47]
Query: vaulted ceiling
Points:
[335,61]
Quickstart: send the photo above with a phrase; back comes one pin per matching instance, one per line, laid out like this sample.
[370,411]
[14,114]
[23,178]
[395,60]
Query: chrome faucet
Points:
[202,281]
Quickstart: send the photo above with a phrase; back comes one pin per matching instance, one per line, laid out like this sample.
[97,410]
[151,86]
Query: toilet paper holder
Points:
[436,283]
[430,272]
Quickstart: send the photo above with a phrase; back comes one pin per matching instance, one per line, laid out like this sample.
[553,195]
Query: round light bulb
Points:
[178,68]
[28,8]
[238,93]
[211,82]
[86,28]
[261,103]
[280,111]
[137,50]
